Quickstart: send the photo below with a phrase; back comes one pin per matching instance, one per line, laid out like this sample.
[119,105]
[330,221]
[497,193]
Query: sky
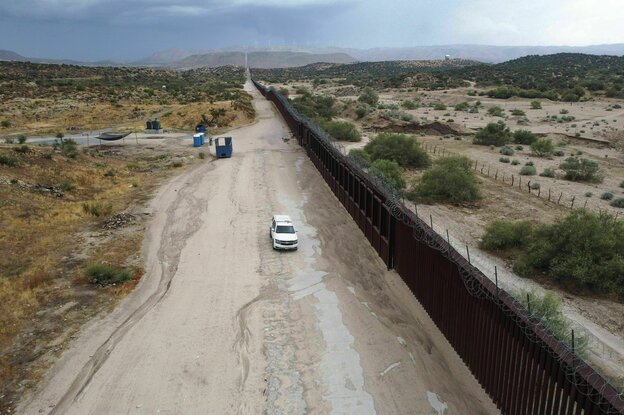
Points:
[131,29]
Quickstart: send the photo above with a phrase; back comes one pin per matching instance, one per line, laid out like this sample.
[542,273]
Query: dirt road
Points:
[222,324]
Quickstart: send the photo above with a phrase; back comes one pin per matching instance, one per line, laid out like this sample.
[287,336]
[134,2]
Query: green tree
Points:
[524,137]
[450,180]
[403,149]
[388,172]
[536,105]
[579,170]
[543,147]
[496,134]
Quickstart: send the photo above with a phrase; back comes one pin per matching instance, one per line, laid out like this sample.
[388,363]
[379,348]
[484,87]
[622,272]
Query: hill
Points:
[7,55]
[259,59]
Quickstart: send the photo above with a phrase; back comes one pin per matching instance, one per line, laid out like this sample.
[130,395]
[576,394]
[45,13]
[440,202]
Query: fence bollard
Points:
[572,204]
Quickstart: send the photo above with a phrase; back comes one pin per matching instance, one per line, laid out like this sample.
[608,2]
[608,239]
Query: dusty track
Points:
[222,324]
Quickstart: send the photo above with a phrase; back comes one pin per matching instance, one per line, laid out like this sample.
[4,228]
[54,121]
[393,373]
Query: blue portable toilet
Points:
[200,128]
[225,150]
[203,138]
[197,140]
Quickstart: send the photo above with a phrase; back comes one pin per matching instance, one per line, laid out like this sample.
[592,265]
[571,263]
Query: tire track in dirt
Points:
[175,233]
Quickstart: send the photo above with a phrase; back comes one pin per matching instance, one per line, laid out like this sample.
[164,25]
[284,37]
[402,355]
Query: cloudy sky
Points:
[129,29]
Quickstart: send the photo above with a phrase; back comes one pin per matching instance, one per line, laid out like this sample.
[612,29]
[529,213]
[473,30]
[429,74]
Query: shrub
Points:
[548,172]
[342,130]
[500,235]
[67,185]
[584,251]
[202,155]
[403,149]
[105,274]
[68,147]
[177,163]
[21,139]
[23,149]
[60,135]
[519,147]
[588,194]
[409,104]
[528,171]
[9,140]
[618,203]
[496,134]
[133,166]
[536,105]
[535,185]
[439,107]
[524,137]
[606,196]
[361,111]
[622,184]
[518,113]
[580,170]
[496,111]
[542,148]
[564,111]
[8,161]
[388,172]
[450,180]
[529,163]
[504,159]
[360,156]
[515,162]
[97,209]
[558,153]
[507,151]
[5,124]
[464,106]
[369,96]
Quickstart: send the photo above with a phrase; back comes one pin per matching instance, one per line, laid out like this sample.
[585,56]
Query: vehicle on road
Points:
[283,233]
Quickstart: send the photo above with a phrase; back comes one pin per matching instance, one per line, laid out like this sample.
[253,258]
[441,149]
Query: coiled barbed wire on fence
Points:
[565,351]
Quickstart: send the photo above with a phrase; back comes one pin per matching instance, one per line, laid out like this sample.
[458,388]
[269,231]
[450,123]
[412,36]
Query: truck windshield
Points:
[285,229]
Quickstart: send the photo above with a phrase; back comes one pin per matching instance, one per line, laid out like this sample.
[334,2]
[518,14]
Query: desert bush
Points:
[524,137]
[548,172]
[535,185]
[177,163]
[133,165]
[618,203]
[497,134]
[9,140]
[409,104]
[8,161]
[97,209]
[464,106]
[21,139]
[403,149]
[342,130]
[606,196]
[583,251]
[519,147]
[5,124]
[564,111]
[388,172]
[507,151]
[450,180]
[500,235]
[515,162]
[360,156]
[105,274]
[202,155]
[504,159]
[529,163]
[588,194]
[369,96]
[622,184]
[68,147]
[60,135]
[439,106]
[528,171]
[496,111]
[559,153]
[536,105]
[23,149]
[518,113]
[579,170]
[66,185]
[543,147]
[361,111]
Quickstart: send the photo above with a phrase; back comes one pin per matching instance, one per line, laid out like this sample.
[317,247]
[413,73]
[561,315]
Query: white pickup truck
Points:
[283,233]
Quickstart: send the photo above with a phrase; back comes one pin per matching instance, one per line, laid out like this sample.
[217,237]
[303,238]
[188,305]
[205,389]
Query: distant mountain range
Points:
[293,56]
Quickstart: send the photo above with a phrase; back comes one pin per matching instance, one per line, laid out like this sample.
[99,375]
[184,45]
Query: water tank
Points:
[149,125]
[155,125]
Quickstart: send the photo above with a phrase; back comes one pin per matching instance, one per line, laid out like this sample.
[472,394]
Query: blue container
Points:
[224,150]
[201,128]
[203,138]
[197,140]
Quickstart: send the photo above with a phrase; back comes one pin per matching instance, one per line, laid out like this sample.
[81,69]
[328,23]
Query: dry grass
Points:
[46,241]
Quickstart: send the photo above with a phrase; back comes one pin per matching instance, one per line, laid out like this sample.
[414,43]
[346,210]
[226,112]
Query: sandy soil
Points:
[222,324]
